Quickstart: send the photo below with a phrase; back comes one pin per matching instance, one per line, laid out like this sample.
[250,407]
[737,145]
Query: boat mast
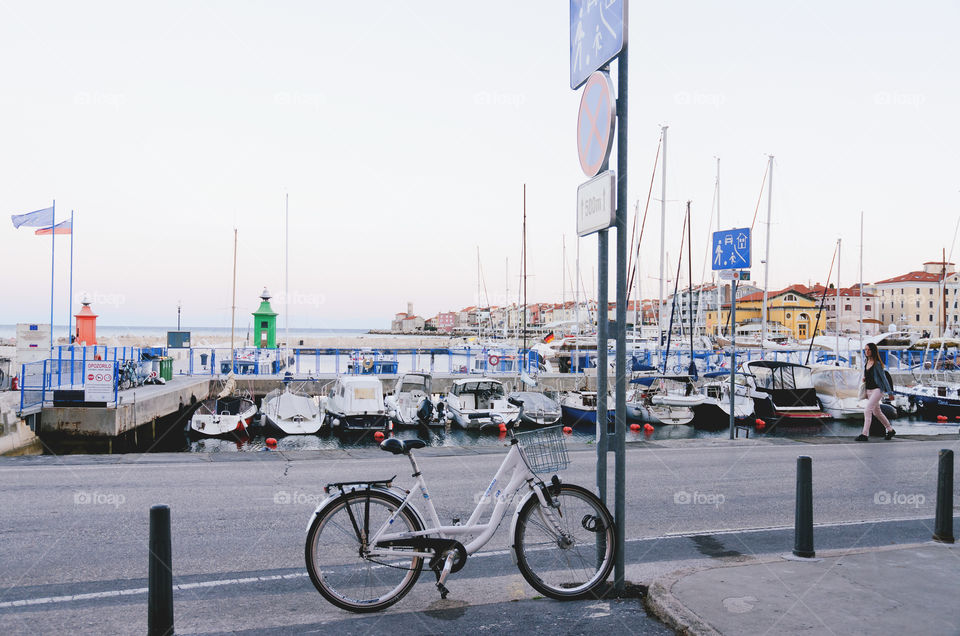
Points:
[719,289]
[837,313]
[478,292]
[860,286]
[693,368]
[766,259]
[663,230]
[524,266]
[233,309]
[286,279]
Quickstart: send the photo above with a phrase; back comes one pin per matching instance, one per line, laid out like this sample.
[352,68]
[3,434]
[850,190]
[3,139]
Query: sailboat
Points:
[293,413]
[228,412]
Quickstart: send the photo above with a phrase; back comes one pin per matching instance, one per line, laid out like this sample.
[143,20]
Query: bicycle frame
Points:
[519,474]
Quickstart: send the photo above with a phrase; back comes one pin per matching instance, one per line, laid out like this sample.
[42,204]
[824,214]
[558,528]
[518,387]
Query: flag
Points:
[63,227]
[37,218]
[549,338]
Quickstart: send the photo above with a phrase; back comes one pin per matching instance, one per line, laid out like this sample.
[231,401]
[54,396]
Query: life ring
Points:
[493,360]
[368,363]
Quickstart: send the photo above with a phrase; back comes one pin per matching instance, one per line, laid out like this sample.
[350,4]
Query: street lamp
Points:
[178,315]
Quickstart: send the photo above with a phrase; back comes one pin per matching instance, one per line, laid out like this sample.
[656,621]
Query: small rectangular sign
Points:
[731,249]
[98,380]
[597,203]
[734,274]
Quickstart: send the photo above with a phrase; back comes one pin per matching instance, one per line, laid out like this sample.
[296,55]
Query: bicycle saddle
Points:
[401,447]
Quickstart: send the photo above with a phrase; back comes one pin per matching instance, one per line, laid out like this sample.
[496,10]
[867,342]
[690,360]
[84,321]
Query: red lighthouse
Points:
[86,326]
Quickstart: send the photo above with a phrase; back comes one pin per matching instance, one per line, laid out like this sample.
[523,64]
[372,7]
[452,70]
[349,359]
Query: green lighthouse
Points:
[265,323]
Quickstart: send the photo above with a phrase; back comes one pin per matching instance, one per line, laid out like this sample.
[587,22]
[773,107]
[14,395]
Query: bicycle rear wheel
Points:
[337,565]
[565,552]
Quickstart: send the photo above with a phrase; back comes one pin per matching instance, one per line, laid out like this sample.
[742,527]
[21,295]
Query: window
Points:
[918,304]
[866,308]
[804,317]
[788,315]
[881,306]
[802,330]
[918,317]
[930,318]
[901,304]
[918,290]
[931,304]
[789,298]
[847,307]
[263,324]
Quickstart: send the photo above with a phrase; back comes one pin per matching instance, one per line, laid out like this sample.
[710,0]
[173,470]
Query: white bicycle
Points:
[366,543]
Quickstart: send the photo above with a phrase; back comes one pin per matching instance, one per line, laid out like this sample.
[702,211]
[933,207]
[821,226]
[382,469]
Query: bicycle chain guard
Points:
[440,549]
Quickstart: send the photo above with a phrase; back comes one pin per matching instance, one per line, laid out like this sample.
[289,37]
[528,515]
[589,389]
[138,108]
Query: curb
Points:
[661,603]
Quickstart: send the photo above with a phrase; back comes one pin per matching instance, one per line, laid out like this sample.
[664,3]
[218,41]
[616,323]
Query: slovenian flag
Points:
[63,227]
[37,218]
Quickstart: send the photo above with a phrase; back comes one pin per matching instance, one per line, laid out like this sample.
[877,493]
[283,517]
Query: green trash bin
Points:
[166,368]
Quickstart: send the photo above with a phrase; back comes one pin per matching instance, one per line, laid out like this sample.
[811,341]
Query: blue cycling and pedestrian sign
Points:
[597,35]
[731,249]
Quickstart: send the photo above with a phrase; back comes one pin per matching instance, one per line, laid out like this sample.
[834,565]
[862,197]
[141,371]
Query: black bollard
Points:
[943,527]
[160,574]
[803,525]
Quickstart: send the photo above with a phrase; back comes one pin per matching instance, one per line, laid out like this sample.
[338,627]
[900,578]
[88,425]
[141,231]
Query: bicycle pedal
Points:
[443,590]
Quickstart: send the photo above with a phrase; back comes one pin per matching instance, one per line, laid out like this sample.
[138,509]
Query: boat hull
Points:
[224,424]
[358,421]
[308,426]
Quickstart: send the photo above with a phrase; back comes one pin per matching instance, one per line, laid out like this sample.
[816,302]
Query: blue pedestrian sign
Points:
[597,35]
[731,249]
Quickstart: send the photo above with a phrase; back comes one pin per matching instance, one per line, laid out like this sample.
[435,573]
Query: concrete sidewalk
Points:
[895,590]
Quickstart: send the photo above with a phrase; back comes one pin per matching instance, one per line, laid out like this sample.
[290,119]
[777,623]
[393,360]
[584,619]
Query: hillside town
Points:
[924,301]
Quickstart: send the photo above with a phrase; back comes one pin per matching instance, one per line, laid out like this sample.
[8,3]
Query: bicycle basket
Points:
[545,449]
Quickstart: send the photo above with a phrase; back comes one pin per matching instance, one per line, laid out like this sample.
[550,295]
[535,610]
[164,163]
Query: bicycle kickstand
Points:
[442,575]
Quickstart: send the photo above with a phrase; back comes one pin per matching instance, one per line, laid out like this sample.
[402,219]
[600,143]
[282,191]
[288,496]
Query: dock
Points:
[134,408]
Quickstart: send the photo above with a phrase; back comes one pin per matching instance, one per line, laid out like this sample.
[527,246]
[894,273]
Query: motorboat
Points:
[293,413]
[355,403]
[410,403]
[226,414]
[670,398]
[782,393]
[478,403]
[538,408]
[579,408]
[838,389]
[713,413]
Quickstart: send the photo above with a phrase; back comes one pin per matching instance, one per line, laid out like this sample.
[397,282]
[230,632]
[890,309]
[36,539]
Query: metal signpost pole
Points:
[621,413]
[603,248]
[733,350]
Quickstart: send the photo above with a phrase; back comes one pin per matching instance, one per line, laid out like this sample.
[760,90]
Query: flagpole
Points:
[70,312]
[53,234]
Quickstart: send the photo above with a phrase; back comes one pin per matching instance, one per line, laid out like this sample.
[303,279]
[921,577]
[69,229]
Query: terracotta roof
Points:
[918,277]
[803,290]
[853,292]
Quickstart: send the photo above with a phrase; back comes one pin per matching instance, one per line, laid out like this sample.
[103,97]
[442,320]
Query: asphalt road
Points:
[78,525]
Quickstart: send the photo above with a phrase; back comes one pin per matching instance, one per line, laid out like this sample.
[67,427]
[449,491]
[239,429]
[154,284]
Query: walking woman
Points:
[876,384]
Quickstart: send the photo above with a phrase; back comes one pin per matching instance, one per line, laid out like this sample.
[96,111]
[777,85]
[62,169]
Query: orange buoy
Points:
[761,425]
[634,427]
[567,430]
[758,421]
[378,435]
[941,418]
[648,427]
[271,441]
[502,427]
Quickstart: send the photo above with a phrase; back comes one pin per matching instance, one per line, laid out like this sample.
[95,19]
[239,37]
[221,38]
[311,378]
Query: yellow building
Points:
[791,311]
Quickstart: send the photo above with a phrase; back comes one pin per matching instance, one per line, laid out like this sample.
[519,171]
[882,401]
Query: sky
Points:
[404,133]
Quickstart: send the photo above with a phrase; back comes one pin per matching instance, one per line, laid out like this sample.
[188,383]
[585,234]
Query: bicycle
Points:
[367,543]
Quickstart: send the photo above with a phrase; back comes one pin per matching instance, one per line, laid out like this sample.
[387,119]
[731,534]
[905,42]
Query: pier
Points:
[134,408]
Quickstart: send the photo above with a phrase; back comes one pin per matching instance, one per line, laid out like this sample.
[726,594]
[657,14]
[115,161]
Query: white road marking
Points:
[142,590]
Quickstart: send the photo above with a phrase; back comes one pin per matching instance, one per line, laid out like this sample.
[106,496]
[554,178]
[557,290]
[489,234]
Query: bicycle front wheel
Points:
[565,552]
[342,571]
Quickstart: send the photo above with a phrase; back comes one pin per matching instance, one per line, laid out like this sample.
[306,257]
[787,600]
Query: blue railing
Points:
[65,370]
